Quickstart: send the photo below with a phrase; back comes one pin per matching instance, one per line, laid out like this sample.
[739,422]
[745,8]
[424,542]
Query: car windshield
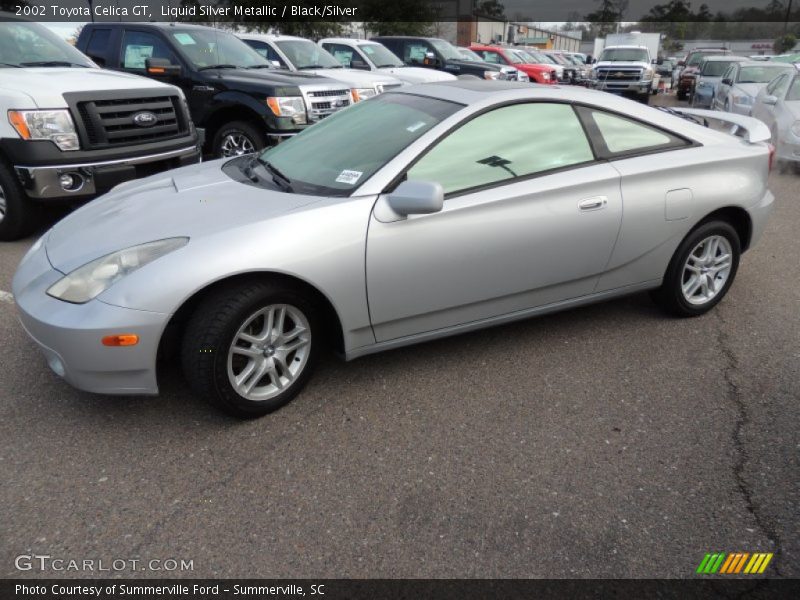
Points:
[446,49]
[715,68]
[759,74]
[469,55]
[520,57]
[381,56]
[340,153]
[794,90]
[695,58]
[538,57]
[208,48]
[304,54]
[623,55]
[24,44]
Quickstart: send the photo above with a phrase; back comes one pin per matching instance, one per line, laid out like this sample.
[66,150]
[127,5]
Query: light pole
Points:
[788,14]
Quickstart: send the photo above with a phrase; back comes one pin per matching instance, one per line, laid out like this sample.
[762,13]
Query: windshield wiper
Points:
[260,67]
[218,67]
[277,176]
[10,65]
[390,65]
[52,63]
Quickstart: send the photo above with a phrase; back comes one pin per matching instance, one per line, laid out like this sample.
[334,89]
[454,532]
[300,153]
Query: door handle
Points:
[593,203]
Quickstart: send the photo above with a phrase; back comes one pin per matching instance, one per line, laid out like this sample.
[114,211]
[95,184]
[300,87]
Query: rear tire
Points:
[19,215]
[236,139]
[249,349]
[701,271]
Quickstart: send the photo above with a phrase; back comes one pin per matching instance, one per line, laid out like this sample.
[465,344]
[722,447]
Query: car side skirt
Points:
[501,319]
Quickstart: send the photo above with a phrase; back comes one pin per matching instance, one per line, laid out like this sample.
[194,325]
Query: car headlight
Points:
[53,125]
[742,100]
[795,128]
[92,279]
[522,76]
[701,83]
[360,94]
[491,75]
[546,76]
[288,106]
[647,74]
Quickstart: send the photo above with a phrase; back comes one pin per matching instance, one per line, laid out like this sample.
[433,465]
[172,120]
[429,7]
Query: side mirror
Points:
[161,67]
[417,198]
[727,81]
[359,64]
[770,99]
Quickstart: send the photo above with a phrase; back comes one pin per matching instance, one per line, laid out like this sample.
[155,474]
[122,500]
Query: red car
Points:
[538,73]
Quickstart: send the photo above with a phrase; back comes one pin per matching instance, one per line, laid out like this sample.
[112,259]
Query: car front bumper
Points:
[629,87]
[788,147]
[702,97]
[42,181]
[69,335]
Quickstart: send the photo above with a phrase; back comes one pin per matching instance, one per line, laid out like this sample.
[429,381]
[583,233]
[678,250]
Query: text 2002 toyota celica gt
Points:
[424,212]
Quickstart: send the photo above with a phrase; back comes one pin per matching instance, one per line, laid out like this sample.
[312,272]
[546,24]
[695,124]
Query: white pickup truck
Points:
[626,70]
[70,131]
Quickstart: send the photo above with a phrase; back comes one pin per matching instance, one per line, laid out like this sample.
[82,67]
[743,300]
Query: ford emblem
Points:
[145,119]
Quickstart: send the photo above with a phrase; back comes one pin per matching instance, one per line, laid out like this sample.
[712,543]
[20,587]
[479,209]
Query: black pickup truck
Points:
[237,99]
[435,53]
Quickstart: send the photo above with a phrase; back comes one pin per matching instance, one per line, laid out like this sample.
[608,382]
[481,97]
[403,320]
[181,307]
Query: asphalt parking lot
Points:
[608,441]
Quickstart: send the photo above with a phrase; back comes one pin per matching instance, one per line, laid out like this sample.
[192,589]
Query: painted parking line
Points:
[6,297]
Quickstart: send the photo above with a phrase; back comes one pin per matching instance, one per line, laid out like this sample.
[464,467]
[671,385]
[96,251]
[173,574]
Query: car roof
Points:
[354,41]
[270,37]
[765,64]
[727,59]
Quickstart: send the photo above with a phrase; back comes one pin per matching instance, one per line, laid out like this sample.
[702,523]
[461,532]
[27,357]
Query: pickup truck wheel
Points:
[701,270]
[644,98]
[18,214]
[251,348]
[238,138]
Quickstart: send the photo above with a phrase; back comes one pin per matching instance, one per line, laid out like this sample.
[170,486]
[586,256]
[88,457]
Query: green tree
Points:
[784,44]
[490,8]
[604,20]
[400,17]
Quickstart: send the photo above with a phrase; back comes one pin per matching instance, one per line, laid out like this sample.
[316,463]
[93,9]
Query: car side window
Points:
[622,135]
[729,73]
[779,86]
[492,57]
[344,54]
[98,45]
[505,144]
[794,90]
[138,46]
[267,51]
[414,52]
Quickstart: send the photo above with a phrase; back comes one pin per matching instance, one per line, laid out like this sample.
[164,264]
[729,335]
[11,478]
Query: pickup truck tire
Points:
[644,98]
[18,214]
[237,138]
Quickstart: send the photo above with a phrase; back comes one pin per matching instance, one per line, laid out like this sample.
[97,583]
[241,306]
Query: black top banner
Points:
[277,11]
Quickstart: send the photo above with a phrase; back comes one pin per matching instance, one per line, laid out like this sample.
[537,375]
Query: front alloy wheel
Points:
[249,349]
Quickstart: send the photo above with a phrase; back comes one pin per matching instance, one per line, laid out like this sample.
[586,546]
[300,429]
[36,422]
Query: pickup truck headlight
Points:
[92,279]
[53,125]
[647,74]
[522,76]
[360,94]
[491,74]
[546,76]
[742,100]
[288,106]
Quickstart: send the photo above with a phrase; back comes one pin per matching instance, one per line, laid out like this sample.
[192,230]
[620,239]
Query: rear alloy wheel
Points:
[251,349]
[18,214]
[701,270]
[238,138]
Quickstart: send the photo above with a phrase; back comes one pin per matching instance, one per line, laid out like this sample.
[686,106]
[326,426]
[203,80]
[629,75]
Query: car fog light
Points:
[70,182]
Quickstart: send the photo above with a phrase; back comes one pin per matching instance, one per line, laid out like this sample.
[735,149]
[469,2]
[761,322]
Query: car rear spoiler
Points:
[752,130]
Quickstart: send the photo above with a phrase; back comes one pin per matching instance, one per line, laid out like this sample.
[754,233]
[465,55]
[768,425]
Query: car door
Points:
[530,218]
[724,89]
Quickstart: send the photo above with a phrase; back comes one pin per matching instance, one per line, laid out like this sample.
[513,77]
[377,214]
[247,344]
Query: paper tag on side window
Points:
[349,177]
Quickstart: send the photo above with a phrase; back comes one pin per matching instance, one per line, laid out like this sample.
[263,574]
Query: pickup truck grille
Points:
[322,103]
[125,121]
[621,75]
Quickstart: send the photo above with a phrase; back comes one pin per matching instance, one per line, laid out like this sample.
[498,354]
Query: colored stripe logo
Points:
[734,563]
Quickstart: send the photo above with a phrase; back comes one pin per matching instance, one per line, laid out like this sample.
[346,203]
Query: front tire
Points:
[250,349]
[236,139]
[18,214]
[701,271]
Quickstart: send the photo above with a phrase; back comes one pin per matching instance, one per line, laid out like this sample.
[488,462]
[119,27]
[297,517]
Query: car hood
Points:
[751,89]
[193,202]
[268,76]
[793,106]
[417,74]
[619,63]
[353,77]
[46,85]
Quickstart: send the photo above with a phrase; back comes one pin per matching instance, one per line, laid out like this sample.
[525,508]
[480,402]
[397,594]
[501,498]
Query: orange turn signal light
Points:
[122,339]
[156,70]
[274,106]
[18,121]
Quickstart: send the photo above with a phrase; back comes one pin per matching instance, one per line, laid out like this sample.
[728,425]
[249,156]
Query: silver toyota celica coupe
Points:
[424,212]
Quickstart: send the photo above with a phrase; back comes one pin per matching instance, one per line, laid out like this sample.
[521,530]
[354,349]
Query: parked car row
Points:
[140,98]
